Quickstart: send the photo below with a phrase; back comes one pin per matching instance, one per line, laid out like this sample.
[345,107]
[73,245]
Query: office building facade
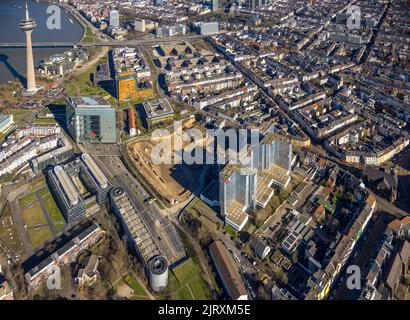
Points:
[114,18]
[214,5]
[274,151]
[91,120]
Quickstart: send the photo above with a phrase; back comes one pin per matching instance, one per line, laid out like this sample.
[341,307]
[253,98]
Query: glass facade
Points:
[238,187]
[92,124]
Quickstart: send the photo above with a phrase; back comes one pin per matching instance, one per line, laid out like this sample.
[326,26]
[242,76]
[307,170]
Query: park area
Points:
[186,283]
[41,216]
[135,290]
[8,231]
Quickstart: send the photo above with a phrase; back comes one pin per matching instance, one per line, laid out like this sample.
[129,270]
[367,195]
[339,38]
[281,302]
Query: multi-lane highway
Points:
[160,227]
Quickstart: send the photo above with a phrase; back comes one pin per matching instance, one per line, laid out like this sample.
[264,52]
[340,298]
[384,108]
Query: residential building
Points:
[205,28]
[6,291]
[88,274]
[82,238]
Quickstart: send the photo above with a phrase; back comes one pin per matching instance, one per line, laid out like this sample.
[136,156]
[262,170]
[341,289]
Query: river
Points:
[13,61]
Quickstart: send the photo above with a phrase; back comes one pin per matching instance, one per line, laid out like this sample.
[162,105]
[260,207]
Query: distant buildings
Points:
[114,18]
[91,120]
[70,182]
[132,74]
[227,271]
[204,28]
[62,63]
[6,122]
[170,31]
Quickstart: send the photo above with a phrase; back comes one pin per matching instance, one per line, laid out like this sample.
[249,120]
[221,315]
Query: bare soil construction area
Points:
[175,182]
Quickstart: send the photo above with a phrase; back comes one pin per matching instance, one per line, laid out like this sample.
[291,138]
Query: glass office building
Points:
[238,186]
[91,120]
[274,151]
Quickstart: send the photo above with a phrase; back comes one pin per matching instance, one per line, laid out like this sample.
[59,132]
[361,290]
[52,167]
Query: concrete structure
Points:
[27,25]
[63,152]
[158,273]
[66,252]
[214,5]
[16,155]
[275,151]
[143,25]
[139,233]
[157,111]
[227,271]
[6,122]
[170,31]
[114,18]
[131,122]
[237,193]
[6,291]
[205,27]
[91,120]
[68,181]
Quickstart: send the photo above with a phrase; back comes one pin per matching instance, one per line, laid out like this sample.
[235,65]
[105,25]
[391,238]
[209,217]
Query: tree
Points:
[294,257]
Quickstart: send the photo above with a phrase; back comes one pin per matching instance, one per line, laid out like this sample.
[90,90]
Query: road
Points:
[365,251]
[161,229]
[112,43]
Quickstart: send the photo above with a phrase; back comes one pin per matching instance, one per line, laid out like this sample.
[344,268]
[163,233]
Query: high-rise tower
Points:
[27,25]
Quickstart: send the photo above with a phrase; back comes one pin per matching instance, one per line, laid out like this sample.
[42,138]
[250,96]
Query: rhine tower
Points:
[27,25]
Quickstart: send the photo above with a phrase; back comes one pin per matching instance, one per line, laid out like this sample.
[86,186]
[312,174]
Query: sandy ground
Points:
[175,182]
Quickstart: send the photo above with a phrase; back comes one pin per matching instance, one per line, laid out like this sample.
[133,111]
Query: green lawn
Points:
[231,230]
[185,270]
[8,231]
[89,36]
[44,192]
[34,216]
[186,283]
[27,200]
[82,84]
[54,212]
[39,235]
[133,283]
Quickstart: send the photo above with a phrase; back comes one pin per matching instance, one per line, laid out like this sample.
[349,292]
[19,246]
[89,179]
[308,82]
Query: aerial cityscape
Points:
[204,150]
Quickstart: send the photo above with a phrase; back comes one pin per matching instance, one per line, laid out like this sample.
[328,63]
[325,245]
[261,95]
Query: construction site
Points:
[174,182]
